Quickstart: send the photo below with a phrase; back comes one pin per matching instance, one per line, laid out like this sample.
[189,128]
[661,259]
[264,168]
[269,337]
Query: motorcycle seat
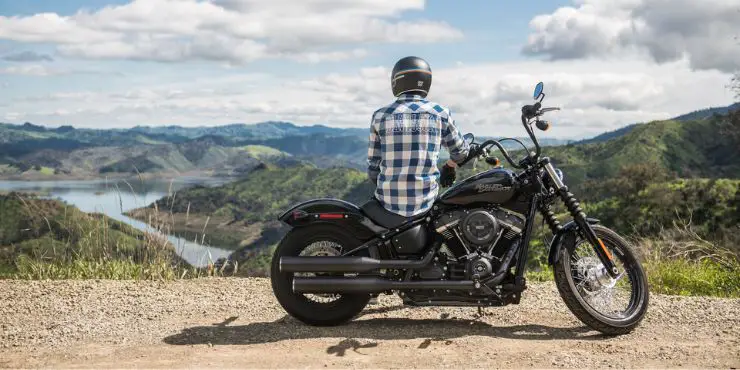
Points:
[375,211]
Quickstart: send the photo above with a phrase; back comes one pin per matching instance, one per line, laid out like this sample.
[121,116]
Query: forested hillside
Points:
[41,238]
[703,148]
[701,114]
[268,191]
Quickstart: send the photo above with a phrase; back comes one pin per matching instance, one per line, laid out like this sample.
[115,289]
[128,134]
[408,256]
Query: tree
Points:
[735,85]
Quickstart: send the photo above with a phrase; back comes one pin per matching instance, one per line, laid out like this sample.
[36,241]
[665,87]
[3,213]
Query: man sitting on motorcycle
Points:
[405,139]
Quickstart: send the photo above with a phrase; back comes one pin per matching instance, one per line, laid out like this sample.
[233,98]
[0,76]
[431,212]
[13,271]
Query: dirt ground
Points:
[236,323]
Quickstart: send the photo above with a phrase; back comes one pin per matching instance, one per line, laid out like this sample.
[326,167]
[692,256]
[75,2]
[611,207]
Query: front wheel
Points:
[613,306]
[315,309]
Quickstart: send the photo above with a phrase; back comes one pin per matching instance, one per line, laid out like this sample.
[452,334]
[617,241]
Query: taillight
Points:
[330,216]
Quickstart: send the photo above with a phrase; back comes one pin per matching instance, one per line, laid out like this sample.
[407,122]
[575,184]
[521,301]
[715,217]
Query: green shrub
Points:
[684,277]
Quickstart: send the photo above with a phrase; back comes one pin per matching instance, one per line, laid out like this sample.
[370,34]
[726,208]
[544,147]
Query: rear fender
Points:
[566,236]
[332,211]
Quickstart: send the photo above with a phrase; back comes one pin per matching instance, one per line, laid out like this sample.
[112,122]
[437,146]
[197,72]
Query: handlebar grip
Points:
[530,111]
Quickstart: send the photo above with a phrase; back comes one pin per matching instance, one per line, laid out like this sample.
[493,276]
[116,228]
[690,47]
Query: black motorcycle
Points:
[470,249]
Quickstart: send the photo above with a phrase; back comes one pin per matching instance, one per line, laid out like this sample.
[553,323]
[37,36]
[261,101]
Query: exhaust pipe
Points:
[348,264]
[371,285]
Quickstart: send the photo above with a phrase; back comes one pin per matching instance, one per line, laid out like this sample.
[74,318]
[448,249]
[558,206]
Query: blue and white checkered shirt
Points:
[405,139]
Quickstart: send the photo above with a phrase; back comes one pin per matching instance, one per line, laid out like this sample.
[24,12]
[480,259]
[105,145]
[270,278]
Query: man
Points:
[405,139]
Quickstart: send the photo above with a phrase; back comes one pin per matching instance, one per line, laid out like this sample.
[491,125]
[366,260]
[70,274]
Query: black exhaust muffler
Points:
[347,264]
[371,285]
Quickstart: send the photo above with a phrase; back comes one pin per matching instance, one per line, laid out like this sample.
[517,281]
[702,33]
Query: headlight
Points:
[559,173]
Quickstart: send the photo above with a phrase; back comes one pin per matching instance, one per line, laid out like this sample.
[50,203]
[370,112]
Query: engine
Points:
[475,241]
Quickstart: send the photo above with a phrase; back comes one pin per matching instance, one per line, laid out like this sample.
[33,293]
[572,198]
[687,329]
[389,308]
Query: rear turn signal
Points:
[493,161]
[543,125]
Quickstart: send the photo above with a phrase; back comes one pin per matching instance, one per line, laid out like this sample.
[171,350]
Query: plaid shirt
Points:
[405,139]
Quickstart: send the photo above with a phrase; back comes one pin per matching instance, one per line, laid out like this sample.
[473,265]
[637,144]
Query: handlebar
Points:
[486,143]
[528,112]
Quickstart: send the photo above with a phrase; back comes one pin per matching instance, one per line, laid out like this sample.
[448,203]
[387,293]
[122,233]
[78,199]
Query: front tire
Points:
[310,309]
[611,306]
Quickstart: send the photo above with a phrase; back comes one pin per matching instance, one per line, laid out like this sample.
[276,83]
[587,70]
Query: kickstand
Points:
[480,313]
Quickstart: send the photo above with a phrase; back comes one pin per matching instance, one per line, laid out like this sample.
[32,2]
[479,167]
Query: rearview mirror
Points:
[469,138]
[538,90]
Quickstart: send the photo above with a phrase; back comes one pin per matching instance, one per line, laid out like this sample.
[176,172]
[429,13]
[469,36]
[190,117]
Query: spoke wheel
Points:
[610,305]
[316,309]
[324,248]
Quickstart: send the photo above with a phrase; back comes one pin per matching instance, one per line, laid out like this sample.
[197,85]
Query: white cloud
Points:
[38,70]
[235,31]
[30,70]
[484,98]
[704,32]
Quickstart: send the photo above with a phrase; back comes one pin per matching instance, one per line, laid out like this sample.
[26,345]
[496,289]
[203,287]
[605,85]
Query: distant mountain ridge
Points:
[692,116]
[261,130]
[229,149]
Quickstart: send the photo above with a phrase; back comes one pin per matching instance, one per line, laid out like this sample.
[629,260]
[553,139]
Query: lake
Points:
[114,197]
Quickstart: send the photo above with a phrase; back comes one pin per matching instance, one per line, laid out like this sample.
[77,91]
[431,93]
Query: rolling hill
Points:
[33,151]
[30,151]
[702,148]
[695,115]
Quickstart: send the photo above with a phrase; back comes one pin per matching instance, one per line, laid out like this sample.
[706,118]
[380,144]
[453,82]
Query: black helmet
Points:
[411,75]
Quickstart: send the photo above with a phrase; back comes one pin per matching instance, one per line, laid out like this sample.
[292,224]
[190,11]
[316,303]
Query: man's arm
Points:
[373,154]
[454,142]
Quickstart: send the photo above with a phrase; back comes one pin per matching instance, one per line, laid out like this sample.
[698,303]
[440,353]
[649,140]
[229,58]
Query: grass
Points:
[693,278]
[539,274]
[680,262]
[47,239]
[34,269]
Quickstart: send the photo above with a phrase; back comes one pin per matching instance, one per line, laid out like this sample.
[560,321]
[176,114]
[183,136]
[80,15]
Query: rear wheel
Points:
[611,306]
[315,309]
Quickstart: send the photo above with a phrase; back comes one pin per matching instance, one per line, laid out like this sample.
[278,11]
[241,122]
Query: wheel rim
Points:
[320,248]
[614,299]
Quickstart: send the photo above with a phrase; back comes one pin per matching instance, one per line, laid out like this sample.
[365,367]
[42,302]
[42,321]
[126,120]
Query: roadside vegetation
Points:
[47,239]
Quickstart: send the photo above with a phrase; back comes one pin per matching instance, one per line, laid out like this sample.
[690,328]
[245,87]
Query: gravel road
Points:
[233,322]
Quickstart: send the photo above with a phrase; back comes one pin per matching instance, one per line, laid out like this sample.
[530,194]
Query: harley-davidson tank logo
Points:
[484,188]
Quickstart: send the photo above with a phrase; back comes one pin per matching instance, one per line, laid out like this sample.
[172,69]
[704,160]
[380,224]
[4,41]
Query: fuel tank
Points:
[494,186]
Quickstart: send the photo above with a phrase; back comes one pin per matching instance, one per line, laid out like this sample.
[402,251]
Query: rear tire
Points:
[336,312]
[617,324]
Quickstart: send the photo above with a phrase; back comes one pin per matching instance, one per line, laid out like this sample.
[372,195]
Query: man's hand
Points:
[448,174]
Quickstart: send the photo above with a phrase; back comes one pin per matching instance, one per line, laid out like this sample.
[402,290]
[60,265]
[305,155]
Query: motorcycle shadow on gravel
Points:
[444,330]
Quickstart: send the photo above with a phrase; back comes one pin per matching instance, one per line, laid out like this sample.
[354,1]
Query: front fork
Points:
[579,217]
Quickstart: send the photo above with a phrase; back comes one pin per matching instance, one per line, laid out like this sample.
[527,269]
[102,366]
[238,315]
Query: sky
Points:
[121,63]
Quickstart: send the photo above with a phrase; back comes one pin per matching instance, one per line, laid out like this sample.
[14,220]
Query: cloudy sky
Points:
[118,63]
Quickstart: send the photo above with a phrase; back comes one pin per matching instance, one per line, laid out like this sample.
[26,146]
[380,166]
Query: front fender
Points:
[566,236]
[334,211]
